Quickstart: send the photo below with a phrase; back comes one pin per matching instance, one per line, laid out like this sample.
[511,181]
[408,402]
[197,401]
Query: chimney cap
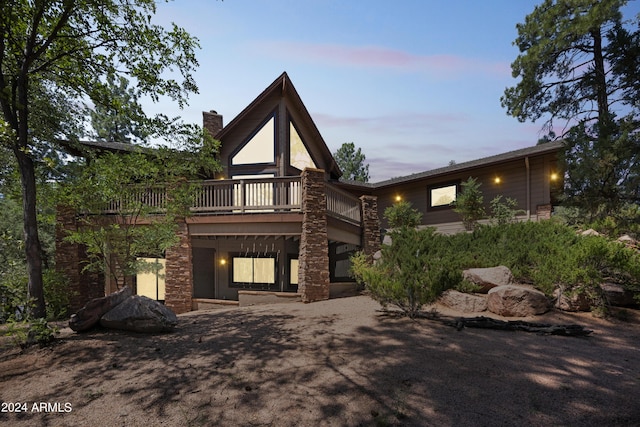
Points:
[213,111]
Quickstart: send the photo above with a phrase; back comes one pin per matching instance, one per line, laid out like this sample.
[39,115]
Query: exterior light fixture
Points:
[554,176]
[497,180]
[223,261]
[398,198]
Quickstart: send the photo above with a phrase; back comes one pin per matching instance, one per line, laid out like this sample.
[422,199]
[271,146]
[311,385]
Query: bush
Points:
[402,214]
[413,270]
[469,204]
[420,264]
[31,332]
[56,295]
[504,211]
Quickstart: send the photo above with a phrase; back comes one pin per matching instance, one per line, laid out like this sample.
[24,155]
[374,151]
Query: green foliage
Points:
[578,63]
[149,187]
[119,117]
[503,211]
[57,295]
[418,265]
[401,214]
[30,332]
[351,162]
[413,271]
[470,203]
[57,55]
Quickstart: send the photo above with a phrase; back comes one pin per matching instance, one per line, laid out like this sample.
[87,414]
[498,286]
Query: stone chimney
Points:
[212,121]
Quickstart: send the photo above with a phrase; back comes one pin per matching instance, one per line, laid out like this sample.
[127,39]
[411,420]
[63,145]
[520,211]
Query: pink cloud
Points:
[395,123]
[381,57]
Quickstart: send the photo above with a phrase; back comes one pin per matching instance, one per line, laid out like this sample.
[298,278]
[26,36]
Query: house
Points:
[278,222]
[530,176]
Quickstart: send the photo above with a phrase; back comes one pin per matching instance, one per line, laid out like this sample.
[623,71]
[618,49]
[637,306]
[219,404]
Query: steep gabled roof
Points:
[284,87]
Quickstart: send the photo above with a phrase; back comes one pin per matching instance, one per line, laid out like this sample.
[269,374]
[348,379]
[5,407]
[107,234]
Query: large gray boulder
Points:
[140,314]
[617,295]
[517,301]
[488,278]
[89,315]
[466,303]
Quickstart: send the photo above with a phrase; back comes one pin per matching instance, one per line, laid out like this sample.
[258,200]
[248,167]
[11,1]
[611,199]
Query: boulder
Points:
[517,301]
[466,303]
[488,278]
[617,295]
[571,301]
[628,241]
[140,314]
[89,315]
[590,232]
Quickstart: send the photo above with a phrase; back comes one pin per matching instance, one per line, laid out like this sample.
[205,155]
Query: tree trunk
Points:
[600,76]
[33,248]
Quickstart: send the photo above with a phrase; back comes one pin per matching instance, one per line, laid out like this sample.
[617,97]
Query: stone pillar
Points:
[543,211]
[370,225]
[70,258]
[313,271]
[179,273]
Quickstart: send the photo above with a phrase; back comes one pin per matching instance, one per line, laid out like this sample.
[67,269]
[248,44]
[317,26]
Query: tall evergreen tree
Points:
[579,64]
[351,162]
[119,117]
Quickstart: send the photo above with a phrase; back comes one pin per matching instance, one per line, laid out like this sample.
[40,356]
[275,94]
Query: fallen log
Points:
[518,325]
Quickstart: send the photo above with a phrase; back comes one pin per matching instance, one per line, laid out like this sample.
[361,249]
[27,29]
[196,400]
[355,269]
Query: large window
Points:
[260,148]
[442,196]
[250,271]
[150,281]
[298,153]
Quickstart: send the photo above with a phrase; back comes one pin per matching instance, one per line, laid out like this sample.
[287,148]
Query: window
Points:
[293,271]
[441,196]
[247,270]
[150,281]
[260,148]
[299,156]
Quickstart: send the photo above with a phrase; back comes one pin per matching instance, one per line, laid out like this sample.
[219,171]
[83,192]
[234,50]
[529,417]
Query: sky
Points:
[414,83]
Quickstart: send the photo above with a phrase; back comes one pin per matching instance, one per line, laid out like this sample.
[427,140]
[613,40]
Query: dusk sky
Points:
[414,83]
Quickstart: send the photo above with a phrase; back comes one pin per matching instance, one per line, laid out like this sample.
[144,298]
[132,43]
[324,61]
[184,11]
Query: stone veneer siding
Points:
[543,211]
[179,273]
[313,259]
[370,225]
[83,286]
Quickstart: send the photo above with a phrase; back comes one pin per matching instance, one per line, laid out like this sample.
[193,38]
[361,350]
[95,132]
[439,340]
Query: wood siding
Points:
[513,184]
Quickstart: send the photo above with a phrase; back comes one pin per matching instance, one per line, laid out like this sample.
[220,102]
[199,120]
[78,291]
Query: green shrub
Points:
[413,270]
[469,203]
[419,265]
[401,214]
[30,332]
[504,211]
[56,295]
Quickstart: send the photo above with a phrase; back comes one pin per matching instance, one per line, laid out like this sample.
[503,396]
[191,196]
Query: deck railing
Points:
[274,194]
[342,205]
[249,195]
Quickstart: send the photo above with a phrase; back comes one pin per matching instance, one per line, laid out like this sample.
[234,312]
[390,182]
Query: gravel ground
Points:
[331,363]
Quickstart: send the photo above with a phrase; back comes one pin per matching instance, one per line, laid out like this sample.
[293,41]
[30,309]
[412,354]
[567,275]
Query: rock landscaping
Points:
[124,311]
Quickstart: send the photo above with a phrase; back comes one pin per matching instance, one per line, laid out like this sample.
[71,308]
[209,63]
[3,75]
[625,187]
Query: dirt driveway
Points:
[332,363]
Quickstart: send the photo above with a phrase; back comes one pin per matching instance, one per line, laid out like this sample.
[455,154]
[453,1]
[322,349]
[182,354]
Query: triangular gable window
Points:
[260,148]
[299,156]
